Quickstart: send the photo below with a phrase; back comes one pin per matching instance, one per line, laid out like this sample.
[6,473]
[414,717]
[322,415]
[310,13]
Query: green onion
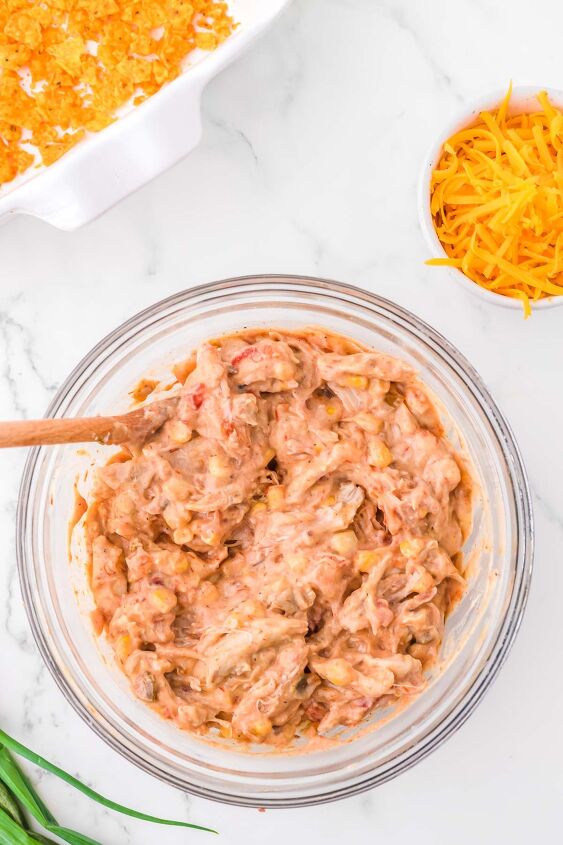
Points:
[9,805]
[11,833]
[15,787]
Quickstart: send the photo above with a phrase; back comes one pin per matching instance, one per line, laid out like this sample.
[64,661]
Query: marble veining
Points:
[309,162]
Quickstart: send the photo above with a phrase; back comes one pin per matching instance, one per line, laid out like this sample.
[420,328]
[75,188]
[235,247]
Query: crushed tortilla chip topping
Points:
[67,66]
[497,202]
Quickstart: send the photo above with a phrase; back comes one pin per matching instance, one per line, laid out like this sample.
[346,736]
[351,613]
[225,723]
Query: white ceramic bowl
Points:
[523,100]
[109,165]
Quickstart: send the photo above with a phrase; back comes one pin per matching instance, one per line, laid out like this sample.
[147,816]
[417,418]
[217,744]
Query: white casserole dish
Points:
[109,165]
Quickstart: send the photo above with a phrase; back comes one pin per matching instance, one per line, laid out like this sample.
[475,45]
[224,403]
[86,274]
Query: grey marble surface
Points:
[312,148]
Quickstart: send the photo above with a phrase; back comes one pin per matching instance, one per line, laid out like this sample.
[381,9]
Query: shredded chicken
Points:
[278,559]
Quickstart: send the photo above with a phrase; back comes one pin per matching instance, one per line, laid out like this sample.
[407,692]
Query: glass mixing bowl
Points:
[479,632]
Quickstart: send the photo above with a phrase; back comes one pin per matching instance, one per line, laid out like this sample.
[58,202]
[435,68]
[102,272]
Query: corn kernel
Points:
[283,370]
[344,543]
[209,592]
[268,455]
[232,620]
[366,559]
[177,489]
[261,728]
[210,537]
[123,646]
[297,561]
[179,431]
[218,468]
[337,671]
[378,453]
[257,508]
[226,731]
[330,501]
[181,565]
[170,515]
[182,536]
[162,599]
[412,547]
[143,389]
[356,382]
[369,422]
[425,582]
[378,388]
[331,410]
[276,496]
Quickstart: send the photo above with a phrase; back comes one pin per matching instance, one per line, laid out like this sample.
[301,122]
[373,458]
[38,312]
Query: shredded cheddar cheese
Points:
[497,202]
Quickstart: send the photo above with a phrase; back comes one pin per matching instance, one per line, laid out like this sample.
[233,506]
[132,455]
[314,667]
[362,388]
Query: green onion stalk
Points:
[18,799]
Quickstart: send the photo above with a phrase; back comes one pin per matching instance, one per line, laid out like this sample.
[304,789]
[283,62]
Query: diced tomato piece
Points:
[196,396]
[248,352]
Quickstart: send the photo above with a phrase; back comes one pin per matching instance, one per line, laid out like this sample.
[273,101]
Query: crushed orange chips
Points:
[497,202]
[67,66]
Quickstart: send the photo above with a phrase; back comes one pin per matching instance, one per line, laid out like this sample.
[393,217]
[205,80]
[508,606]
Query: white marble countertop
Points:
[312,147]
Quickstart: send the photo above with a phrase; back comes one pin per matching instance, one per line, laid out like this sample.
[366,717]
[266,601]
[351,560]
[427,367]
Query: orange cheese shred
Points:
[496,200]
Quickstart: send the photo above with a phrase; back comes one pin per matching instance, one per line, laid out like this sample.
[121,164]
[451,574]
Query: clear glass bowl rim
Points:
[515,468]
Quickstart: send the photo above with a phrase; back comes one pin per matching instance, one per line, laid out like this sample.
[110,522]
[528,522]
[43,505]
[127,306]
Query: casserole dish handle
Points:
[155,135]
[94,175]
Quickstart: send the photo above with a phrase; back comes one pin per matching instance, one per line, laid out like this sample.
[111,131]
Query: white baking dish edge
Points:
[110,165]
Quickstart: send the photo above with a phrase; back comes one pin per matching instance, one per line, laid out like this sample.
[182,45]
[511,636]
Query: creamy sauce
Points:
[278,559]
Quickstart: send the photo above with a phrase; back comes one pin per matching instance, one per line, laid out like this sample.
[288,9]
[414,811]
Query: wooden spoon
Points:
[133,427]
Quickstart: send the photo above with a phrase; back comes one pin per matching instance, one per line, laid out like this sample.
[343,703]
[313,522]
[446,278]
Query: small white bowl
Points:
[523,100]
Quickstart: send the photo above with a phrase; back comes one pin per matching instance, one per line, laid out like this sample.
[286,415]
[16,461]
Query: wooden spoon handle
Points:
[47,432]
[134,426]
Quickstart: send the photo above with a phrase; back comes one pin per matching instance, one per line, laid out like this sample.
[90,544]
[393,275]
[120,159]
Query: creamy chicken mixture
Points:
[279,557]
